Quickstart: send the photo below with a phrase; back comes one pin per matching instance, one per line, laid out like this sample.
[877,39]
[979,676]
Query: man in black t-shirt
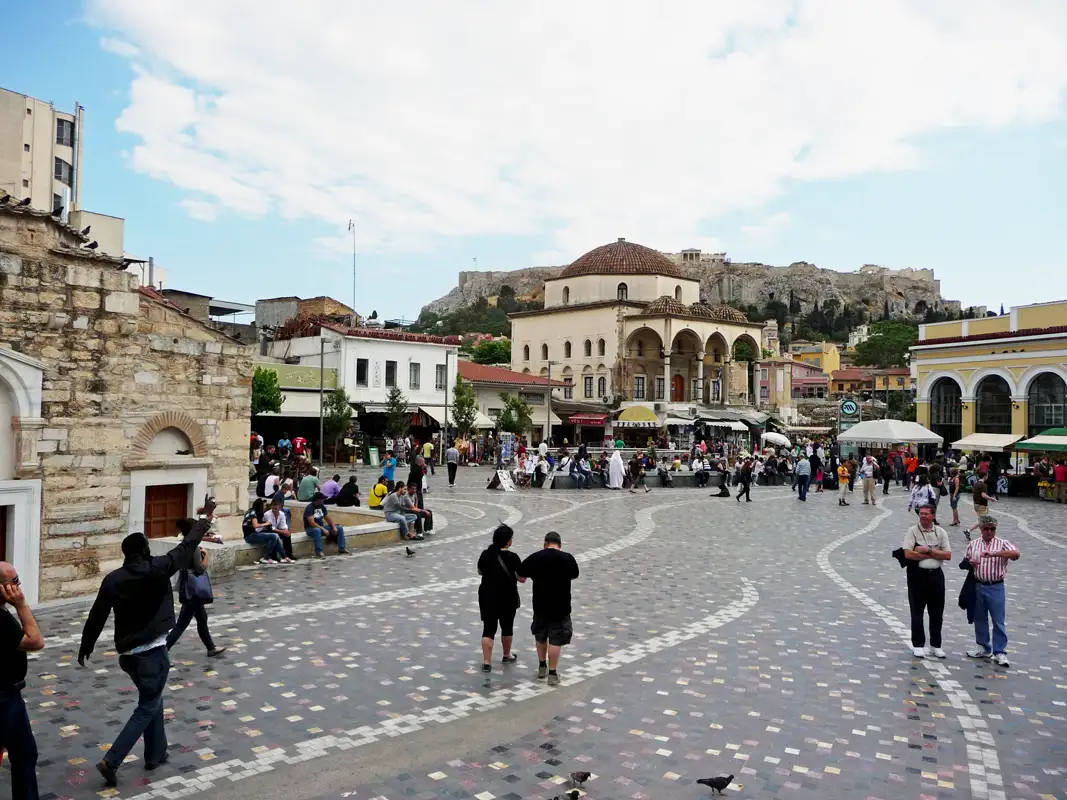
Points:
[551,571]
[16,639]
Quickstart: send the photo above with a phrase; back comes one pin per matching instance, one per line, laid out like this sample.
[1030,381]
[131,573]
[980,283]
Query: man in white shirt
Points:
[868,469]
[926,545]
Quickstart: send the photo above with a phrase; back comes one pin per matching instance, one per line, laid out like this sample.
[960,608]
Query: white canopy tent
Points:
[989,442]
[889,431]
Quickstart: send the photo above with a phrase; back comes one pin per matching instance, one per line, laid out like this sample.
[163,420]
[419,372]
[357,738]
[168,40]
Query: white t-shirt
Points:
[542,449]
[270,486]
[867,469]
[278,522]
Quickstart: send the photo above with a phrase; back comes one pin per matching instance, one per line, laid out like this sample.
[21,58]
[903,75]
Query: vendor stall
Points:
[635,425]
[888,431]
[987,442]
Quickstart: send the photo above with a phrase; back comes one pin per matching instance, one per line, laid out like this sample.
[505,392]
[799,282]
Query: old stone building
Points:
[118,411]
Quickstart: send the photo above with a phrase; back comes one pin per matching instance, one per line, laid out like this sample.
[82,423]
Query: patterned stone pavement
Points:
[763,640]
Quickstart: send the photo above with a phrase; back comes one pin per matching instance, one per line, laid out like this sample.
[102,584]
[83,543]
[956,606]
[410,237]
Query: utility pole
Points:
[444,442]
[322,391]
[352,230]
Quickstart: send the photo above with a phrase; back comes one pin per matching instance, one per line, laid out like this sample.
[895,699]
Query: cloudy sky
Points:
[238,137]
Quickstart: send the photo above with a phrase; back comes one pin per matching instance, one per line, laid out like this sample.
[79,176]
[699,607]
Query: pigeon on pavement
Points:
[718,784]
[578,778]
[409,551]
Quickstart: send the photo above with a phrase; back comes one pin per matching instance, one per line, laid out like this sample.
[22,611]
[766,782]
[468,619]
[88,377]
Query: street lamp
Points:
[548,428]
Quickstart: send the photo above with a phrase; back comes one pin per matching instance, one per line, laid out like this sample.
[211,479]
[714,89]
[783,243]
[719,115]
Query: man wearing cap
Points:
[926,545]
[140,594]
[989,556]
[551,571]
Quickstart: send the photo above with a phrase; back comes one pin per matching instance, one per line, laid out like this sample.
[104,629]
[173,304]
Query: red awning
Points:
[588,419]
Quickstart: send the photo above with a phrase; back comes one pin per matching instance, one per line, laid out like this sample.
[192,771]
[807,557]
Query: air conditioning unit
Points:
[693,411]
[605,400]
[660,406]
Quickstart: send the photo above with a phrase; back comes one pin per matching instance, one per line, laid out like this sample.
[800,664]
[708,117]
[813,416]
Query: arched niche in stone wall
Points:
[172,428]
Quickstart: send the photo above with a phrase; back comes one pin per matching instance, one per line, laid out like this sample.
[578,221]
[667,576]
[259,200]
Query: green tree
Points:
[266,394]
[743,351]
[336,416]
[397,419]
[492,351]
[464,407]
[887,346]
[516,416]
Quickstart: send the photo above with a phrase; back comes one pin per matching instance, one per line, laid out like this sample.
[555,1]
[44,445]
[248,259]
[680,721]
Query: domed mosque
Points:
[623,324]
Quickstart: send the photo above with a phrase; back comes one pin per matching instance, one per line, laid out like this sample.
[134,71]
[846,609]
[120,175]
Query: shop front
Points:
[589,428]
[635,427]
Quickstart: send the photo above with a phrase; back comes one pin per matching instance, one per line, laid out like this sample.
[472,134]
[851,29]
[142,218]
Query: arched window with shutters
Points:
[566,295]
[544,352]
[588,350]
[600,347]
[678,293]
[566,349]
[622,293]
[526,352]
[601,387]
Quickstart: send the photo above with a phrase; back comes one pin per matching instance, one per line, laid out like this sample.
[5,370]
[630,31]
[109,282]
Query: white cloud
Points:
[200,209]
[119,47]
[587,120]
[767,231]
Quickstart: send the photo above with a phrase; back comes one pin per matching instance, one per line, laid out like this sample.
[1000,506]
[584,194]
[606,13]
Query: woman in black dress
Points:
[498,594]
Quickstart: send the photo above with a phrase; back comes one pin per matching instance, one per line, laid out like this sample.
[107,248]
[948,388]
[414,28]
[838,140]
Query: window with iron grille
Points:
[390,373]
[588,385]
[414,375]
[440,376]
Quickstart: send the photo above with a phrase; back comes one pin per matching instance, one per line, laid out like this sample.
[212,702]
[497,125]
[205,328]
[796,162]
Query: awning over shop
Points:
[1053,440]
[637,417]
[679,421]
[381,408]
[588,419]
[538,418]
[481,421]
[436,413]
[987,441]
[730,425]
[297,404]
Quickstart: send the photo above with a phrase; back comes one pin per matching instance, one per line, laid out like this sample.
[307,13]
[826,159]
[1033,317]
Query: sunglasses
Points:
[13,582]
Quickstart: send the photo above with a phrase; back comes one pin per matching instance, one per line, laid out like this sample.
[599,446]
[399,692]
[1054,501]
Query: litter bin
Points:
[372,457]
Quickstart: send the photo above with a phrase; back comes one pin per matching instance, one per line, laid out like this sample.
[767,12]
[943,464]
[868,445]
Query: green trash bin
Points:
[372,457]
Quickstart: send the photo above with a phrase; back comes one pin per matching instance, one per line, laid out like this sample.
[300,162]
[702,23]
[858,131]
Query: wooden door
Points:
[677,389]
[163,507]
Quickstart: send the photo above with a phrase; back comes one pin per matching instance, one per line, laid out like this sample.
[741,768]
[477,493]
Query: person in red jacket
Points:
[1059,472]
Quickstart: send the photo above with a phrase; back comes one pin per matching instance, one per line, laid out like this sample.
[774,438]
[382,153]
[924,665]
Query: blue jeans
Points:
[403,520]
[989,599]
[149,673]
[16,737]
[316,535]
[272,544]
[802,486]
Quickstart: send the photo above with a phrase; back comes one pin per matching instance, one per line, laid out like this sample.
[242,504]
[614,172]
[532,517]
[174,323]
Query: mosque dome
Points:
[665,305]
[623,258]
[728,314]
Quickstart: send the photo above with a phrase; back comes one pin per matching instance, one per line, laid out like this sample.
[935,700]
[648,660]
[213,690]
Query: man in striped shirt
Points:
[989,557]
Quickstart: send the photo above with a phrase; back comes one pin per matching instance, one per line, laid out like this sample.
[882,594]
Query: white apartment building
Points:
[40,151]
[369,362]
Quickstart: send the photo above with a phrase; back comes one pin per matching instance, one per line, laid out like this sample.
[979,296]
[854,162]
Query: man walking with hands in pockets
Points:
[551,571]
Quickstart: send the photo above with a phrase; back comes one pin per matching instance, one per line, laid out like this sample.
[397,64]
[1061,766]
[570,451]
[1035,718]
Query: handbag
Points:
[196,588]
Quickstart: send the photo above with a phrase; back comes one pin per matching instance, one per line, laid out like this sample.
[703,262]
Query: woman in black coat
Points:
[192,607]
[498,594]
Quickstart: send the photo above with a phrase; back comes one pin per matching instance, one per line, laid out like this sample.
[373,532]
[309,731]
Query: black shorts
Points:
[554,631]
[491,616]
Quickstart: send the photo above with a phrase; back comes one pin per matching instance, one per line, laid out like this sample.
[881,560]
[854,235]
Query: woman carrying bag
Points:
[194,592]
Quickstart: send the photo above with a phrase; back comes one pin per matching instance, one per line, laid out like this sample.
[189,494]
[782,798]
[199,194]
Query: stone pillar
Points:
[666,376]
[970,415]
[1020,416]
[700,378]
[726,376]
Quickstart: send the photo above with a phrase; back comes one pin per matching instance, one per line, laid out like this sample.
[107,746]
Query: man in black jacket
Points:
[140,593]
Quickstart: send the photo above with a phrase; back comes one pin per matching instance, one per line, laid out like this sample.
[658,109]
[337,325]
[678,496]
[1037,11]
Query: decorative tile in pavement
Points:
[710,638]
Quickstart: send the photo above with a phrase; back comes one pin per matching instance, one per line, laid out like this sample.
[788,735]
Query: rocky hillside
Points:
[909,292]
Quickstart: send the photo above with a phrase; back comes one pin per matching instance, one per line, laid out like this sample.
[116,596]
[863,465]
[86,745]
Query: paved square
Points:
[765,640]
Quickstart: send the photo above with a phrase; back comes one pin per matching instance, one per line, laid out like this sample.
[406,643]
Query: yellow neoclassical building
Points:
[1001,375]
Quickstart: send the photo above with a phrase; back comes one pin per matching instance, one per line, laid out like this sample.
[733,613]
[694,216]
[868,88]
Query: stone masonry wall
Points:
[115,358]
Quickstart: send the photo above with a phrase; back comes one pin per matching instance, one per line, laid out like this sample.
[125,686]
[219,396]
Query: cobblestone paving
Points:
[761,640]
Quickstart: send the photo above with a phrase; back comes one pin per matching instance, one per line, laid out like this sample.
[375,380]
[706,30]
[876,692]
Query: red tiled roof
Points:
[850,375]
[977,337]
[483,373]
[392,335]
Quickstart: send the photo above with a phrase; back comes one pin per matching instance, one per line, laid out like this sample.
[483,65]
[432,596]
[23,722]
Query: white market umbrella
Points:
[889,431]
[776,438]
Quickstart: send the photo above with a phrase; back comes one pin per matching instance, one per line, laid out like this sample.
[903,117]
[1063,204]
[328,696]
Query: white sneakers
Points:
[936,652]
[918,652]
[1001,660]
[979,652]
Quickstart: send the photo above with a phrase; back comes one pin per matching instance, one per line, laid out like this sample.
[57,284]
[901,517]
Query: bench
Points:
[682,480]
[364,527]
